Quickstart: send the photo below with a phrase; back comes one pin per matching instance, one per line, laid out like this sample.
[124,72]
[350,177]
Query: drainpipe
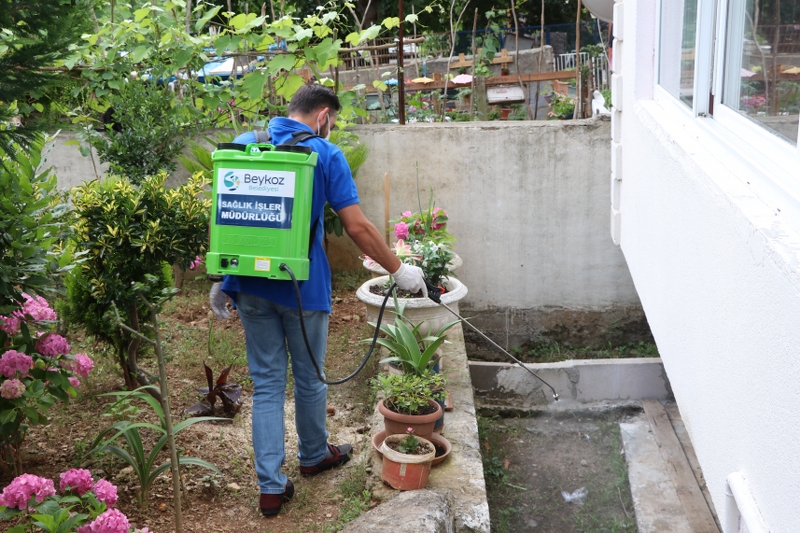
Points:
[741,510]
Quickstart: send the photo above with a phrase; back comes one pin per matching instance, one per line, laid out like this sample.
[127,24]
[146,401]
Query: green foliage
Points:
[33,225]
[82,307]
[128,234]
[409,444]
[154,127]
[200,158]
[33,35]
[407,345]
[409,394]
[562,107]
[606,97]
[494,468]
[135,454]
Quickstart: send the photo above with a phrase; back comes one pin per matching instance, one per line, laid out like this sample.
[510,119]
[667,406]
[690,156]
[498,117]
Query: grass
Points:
[597,515]
[555,352]
[518,496]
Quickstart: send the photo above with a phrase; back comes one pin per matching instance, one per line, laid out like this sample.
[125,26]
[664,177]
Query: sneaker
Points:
[271,503]
[337,455]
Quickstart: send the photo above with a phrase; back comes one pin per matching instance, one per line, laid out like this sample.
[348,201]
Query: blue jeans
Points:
[269,328]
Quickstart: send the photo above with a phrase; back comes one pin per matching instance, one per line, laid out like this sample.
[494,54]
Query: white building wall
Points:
[718,274]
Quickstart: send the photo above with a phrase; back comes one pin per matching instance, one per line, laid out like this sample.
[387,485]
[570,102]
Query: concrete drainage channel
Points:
[456,499]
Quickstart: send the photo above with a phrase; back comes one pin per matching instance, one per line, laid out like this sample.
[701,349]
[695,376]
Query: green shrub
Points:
[81,307]
[128,234]
[153,127]
[33,226]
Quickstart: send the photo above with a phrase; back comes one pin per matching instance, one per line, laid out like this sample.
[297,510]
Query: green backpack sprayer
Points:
[261,223]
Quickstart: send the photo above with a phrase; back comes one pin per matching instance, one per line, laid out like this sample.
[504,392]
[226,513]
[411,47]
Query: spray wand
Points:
[435,294]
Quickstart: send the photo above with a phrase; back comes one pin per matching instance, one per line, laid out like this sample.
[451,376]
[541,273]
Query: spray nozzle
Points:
[434,292]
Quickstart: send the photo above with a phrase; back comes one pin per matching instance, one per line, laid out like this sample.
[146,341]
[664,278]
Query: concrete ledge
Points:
[577,382]
[459,503]
[416,511]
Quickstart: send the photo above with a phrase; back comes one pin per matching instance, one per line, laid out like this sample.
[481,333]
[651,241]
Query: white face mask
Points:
[319,128]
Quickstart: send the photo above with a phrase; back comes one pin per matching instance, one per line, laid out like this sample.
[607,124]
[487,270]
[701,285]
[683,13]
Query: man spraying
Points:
[269,315]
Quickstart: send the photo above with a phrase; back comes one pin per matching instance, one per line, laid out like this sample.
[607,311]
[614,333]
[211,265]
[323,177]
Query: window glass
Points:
[677,48]
[762,64]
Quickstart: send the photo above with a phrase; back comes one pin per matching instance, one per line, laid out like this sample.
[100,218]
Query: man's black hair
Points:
[311,97]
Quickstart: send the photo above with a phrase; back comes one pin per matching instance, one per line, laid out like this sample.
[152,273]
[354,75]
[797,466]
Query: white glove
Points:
[218,301]
[410,278]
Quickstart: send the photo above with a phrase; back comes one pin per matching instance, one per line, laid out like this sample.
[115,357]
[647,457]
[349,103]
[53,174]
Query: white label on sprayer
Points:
[263,264]
[258,198]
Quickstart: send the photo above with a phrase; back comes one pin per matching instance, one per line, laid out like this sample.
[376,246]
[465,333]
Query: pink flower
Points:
[76,479]
[106,492]
[111,521]
[196,263]
[75,382]
[11,389]
[19,492]
[409,430]
[13,362]
[405,214]
[439,220]
[37,308]
[52,345]
[401,230]
[10,324]
[403,250]
[81,365]
[418,229]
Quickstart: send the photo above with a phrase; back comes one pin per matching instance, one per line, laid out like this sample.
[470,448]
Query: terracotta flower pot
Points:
[398,424]
[405,471]
[442,445]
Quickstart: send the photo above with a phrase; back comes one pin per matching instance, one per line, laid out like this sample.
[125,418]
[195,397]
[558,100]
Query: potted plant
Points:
[412,229]
[415,356]
[407,460]
[423,240]
[561,106]
[410,400]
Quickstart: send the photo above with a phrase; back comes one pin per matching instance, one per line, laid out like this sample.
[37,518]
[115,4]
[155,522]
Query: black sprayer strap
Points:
[298,137]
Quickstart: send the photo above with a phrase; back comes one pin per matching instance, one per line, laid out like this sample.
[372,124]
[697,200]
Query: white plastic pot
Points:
[417,310]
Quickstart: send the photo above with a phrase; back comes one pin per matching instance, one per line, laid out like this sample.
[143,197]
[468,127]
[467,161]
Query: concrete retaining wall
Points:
[528,204]
[576,382]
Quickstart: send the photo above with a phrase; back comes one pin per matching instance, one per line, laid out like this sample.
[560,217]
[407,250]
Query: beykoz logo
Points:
[231,181]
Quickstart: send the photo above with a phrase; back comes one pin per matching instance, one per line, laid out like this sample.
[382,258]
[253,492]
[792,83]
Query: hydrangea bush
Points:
[83,505]
[36,369]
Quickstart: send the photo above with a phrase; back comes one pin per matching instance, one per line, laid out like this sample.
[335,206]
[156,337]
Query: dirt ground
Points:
[217,503]
[529,462]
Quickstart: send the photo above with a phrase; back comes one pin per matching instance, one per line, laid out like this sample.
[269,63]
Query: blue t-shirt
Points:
[333,183]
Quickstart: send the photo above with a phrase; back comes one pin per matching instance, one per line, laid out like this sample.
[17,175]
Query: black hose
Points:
[288,270]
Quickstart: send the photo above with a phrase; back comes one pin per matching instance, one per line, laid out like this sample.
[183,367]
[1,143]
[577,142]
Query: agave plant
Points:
[408,346]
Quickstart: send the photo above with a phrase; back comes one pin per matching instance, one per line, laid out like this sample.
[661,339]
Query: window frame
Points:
[764,161]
